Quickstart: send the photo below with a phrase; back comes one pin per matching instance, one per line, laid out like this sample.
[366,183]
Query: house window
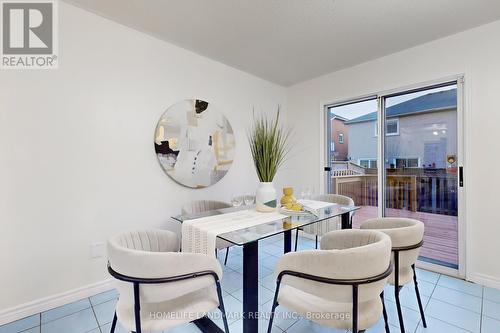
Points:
[341,138]
[332,146]
[391,127]
[369,163]
[407,162]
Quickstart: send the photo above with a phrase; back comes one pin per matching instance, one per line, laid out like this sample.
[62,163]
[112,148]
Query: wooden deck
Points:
[440,237]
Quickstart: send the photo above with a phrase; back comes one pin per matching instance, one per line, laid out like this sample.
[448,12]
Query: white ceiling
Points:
[288,41]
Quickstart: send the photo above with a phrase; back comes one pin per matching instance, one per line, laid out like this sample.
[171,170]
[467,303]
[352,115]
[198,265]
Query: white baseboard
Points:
[47,303]
[485,280]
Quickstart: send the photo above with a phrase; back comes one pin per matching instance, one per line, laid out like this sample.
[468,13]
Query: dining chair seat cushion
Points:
[153,254]
[146,254]
[344,255]
[329,313]
[405,276]
[403,232]
[168,314]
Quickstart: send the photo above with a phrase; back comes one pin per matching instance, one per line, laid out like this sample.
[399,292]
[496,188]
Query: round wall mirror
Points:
[194,143]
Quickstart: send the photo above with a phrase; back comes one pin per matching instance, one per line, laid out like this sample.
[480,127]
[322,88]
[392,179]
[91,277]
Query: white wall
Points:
[475,53]
[77,161]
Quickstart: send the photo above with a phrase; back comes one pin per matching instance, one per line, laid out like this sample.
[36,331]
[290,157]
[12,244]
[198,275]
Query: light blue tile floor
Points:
[451,305]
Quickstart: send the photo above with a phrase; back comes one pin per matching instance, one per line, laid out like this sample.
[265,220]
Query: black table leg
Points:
[288,241]
[251,287]
[206,325]
[345,221]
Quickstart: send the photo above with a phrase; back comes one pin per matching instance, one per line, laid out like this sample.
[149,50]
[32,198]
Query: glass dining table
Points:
[249,239]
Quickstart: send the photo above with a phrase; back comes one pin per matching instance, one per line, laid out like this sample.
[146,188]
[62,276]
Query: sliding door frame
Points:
[461,131]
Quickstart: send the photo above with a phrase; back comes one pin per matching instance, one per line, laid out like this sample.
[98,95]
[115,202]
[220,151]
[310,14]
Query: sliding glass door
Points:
[353,155]
[413,137]
[420,166]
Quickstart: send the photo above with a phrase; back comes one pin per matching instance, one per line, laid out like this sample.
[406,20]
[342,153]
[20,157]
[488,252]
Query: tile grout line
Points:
[66,315]
[482,305]
[451,324]
[457,306]
[95,317]
[428,301]
[458,291]
[462,328]
[72,313]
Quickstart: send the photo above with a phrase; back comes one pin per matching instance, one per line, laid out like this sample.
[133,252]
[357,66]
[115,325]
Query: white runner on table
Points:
[315,205]
[199,235]
[325,226]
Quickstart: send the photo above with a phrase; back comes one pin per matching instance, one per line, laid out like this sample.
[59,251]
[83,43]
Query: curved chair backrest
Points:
[335,198]
[154,254]
[404,232]
[344,254]
[200,206]
[333,223]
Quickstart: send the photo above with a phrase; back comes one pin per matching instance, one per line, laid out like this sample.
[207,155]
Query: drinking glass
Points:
[305,193]
[249,199]
[236,200]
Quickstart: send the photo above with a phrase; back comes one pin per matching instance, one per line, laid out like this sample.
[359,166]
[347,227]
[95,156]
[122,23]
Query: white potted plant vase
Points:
[266,197]
[269,147]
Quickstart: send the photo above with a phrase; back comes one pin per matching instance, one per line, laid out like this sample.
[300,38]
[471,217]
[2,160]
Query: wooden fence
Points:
[432,193]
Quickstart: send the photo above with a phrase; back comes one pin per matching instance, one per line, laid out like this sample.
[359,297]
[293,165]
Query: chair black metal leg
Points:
[355,308]
[221,307]
[384,312]
[396,291]
[273,308]
[421,308]
[137,308]
[227,253]
[296,239]
[316,242]
[113,324]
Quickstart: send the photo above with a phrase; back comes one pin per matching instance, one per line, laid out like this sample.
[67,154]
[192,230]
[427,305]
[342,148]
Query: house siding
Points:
[416,139]
[340,153]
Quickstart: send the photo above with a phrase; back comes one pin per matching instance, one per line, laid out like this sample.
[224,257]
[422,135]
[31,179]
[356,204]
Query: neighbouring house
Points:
[339,138]
[420,133]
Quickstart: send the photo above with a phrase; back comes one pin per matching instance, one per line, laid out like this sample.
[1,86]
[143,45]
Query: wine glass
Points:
[249,199]
[236,200]
[305,193]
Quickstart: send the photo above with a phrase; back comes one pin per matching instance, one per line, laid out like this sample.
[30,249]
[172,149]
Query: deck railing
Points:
[423,192]
[346,168]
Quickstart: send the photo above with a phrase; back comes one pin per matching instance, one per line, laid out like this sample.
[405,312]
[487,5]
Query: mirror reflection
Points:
[194,143]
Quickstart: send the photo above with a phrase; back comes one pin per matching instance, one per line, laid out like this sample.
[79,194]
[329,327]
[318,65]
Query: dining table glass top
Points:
[255,233]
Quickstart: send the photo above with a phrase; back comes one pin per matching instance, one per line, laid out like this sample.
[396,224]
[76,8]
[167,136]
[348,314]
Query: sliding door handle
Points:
[461,176]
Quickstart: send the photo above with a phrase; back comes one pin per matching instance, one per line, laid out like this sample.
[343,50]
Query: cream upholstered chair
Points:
[342,284]
[200,206]
[407,238]
[319,229]
[159,287]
